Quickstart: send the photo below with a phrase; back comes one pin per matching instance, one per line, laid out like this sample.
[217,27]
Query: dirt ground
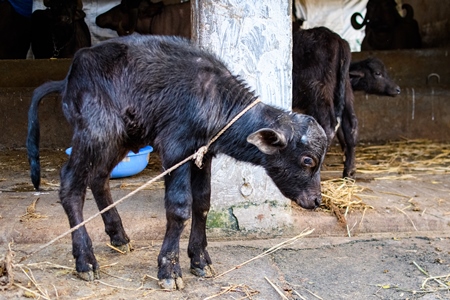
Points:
[313,268]
[400,249]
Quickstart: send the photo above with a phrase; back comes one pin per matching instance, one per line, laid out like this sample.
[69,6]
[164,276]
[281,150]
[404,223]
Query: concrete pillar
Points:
[254,40]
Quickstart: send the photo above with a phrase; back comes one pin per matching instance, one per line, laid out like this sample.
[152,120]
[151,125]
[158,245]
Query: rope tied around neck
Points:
[198,156]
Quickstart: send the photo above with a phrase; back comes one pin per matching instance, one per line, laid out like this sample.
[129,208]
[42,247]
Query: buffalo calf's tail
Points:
[33,128]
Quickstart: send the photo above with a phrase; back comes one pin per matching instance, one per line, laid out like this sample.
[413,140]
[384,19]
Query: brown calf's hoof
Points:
[171,284]
[89,276]
[207,272]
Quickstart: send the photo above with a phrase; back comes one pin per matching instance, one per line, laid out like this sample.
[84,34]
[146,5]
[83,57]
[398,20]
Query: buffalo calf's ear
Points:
[267,140]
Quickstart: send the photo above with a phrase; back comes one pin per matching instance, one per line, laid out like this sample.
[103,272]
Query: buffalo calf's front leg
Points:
[201,264]
[169,270]
[178,201]
[111,218]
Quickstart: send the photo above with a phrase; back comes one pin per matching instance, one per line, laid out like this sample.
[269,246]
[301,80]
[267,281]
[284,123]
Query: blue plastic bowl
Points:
[132,164]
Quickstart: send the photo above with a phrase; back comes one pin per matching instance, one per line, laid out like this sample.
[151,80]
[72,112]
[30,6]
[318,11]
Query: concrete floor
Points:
[419,202]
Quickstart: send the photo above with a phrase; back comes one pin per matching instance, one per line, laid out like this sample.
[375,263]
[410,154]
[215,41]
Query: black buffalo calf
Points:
[370,75]
[133,91]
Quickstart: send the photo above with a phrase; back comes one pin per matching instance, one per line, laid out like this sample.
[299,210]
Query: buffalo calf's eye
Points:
[308,161]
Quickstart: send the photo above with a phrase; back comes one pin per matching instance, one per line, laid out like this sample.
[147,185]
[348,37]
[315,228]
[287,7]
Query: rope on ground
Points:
[197,156]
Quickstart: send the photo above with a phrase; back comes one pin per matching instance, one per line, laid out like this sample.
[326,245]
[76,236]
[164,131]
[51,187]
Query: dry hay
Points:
[244,289]
[342,193]
[404,157]
[431,284]
[397,160]
[440,282]
[341,196]
[31,213]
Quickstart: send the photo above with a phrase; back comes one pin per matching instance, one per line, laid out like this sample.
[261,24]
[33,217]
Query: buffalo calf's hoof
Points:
[207,272]
[89,276]
[349,174]
[171,284]
[123,248]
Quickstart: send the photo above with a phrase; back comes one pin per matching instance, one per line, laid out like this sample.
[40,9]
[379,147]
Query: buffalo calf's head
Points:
[370,76]
[294,151]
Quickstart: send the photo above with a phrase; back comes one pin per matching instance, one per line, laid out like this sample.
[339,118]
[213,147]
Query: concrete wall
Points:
[422,111]
[18,78]
[434,21]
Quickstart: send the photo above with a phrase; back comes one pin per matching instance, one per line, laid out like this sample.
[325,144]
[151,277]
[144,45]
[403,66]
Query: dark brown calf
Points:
[163,91]
[370,76]
[129,16]
[146,17]
[321,86]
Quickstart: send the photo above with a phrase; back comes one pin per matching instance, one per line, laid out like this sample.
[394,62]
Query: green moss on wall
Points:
[222,219]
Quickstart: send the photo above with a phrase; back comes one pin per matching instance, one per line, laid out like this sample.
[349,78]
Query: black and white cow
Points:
[163,91]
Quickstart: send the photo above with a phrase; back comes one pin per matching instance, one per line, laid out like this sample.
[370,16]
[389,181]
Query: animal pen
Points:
[402,152]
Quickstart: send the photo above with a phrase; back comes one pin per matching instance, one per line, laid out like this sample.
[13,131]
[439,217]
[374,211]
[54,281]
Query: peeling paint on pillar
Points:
[254,40]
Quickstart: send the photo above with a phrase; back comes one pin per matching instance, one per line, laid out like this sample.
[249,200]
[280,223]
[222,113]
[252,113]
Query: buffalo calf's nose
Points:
[317,202]
[398,90]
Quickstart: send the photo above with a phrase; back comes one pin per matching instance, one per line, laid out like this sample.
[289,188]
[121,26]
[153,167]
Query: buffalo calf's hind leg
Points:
[201,264]
[111,218]
[72,195]
[348,136]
